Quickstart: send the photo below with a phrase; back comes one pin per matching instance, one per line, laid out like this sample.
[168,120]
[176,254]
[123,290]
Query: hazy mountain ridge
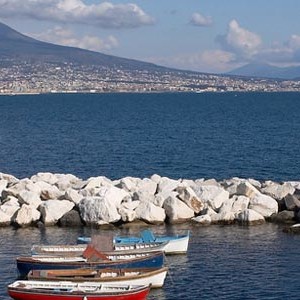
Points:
[266,71]
[14,45]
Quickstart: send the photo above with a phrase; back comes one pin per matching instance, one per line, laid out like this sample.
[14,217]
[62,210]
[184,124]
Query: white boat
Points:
[140,276]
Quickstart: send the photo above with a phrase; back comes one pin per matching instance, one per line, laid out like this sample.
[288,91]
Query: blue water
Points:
[176,135]
[230,262]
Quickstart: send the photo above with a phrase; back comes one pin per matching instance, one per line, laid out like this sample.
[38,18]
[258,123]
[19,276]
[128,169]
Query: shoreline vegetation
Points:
[47,199]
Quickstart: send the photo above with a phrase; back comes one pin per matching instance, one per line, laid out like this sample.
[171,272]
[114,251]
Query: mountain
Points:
[266,71]
[19,47]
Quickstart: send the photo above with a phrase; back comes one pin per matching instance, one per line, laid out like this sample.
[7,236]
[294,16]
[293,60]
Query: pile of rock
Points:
[66,200]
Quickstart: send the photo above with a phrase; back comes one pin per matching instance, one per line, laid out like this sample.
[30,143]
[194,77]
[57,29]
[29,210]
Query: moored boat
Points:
[173,244]
[64,290]
[154,276]
[91,259]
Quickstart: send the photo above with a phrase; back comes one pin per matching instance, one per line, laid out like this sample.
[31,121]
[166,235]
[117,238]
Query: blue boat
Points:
[90,259]
[174,244]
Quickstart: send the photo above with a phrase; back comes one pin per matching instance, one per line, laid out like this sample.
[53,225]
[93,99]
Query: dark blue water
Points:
[223,263]
[176,135]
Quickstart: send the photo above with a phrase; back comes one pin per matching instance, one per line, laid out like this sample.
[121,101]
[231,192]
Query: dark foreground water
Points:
[176,135]
[230,262]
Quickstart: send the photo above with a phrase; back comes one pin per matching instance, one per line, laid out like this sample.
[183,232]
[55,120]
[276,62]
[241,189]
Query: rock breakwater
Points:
[66,200]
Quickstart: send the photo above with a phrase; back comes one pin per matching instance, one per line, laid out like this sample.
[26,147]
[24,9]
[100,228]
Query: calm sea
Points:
[176,135]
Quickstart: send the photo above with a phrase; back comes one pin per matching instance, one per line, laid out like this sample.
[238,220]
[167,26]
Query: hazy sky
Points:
[202,35]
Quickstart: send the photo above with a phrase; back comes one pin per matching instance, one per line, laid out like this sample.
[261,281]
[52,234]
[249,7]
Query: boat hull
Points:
[149,260]
[65,291]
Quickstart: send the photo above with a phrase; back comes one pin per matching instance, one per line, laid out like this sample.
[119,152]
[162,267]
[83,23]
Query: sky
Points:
[213,36]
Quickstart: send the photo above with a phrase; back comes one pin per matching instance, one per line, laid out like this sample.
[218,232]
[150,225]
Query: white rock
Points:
[150,213]
[278,191]
[14,189]
[53,210]
[240,203]
[156,178]
[48,191]
[128,184]
[46,177]
[127,215]
[26,215]
[131,205]
[147,186]
[189,197]
[213,195]
[247,189]
[204,219]
[4,218]
[114,195]
[250,217]
[98,210]
[97,182]
[176,210]
[167,185]
[264,205]
[3,185]
[159,200]
[10,206]
[10,178]
[73,195]
[30,198]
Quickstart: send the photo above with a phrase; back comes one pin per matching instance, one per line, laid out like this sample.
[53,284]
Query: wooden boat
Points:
[90,259]
[77,250]
[154,276]
[174,244]
[64,290]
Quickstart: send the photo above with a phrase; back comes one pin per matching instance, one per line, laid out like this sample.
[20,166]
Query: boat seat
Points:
[147,236]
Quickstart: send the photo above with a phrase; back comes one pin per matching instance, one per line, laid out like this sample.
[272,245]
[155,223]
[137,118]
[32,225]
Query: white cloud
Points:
[66,37]
[200,20]
[211,61]
[104,14]
[240,41]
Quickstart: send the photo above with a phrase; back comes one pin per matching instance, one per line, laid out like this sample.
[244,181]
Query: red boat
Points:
[65,290]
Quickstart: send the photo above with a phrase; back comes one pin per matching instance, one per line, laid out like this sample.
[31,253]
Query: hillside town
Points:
[30,78]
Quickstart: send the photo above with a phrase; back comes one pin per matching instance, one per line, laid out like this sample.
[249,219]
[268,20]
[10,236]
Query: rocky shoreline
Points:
[48,199]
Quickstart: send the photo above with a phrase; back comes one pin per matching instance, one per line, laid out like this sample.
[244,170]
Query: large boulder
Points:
[26,215]
[53,210]
[285,216]
[30,198]
[250,217]
[167,185]
[278,191]
[10,206]
[73,195]
[98,210]
[291,202]
[48,191]
[240,203]
[46,177]
[264,205]
[70,219]
[245,188]
[176,210]
[189,197]
[213,195]
[97,182]
[114,195]
[150,213]
[203,219]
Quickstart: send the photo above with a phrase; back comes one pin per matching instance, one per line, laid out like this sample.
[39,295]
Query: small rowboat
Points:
[91,259]
[174,244]
[154,277]
[64,290]
[77,250]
